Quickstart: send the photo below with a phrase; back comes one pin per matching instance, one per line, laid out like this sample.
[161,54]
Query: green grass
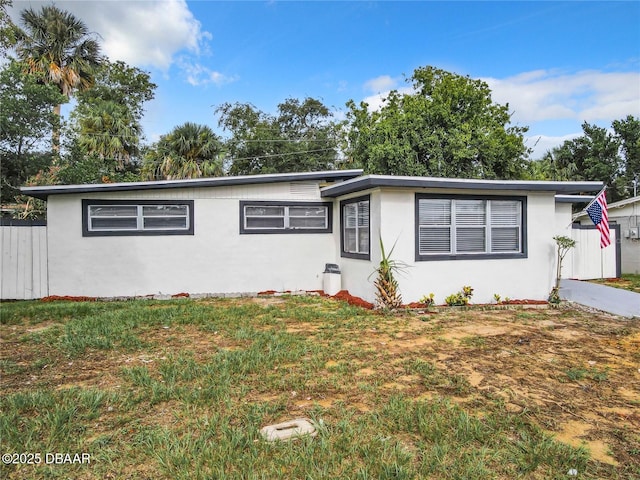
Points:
[192,382]
[628,281]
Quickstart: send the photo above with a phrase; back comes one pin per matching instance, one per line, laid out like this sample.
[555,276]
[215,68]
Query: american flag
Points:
[597,211]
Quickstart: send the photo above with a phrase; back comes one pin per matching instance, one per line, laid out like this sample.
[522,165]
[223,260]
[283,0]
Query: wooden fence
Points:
[23,259]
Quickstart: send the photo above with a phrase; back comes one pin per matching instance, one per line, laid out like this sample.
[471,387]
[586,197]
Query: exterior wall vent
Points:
[304,189]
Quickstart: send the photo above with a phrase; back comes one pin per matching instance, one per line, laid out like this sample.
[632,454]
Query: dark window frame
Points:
[285,231]
[343,253]
[86,203]
[471,256]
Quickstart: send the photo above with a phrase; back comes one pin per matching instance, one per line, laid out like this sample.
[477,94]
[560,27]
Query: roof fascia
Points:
[574,198]
[373,181]
[42,192]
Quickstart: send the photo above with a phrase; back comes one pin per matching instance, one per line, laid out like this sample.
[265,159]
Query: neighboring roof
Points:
[372,181]
[624,203]
[612,206]
[334,175]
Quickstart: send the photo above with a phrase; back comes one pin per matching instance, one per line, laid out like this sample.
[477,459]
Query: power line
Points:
[252,157]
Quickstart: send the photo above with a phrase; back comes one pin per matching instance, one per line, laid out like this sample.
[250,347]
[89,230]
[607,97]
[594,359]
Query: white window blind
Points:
[117,218]
[286,217]
[470,222]
[452,226]
[356,227]
[506,220]
[434,218]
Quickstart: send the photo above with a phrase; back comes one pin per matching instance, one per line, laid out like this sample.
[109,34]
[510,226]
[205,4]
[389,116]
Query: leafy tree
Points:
[303,136]
[188,151]
[108,114]
[58,47]
[592,156]
[447,127]
[119,83]
[628,133]
[7,28]
[26,118]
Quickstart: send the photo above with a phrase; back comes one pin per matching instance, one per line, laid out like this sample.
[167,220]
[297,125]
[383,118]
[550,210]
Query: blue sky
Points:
[557,64]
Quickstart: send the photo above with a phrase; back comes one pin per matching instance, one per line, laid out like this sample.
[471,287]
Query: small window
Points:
[355,238]
[123,217]
[285,217]
[451,227]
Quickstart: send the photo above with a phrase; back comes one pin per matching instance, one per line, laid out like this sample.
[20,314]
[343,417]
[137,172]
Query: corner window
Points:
[355,231]
[138,217]
[457,227]
[285,217]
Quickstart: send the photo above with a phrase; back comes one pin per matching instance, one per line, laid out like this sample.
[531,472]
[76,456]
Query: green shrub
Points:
[461,298]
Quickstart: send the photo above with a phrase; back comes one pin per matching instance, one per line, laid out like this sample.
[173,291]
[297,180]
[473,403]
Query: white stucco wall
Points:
[216,259]
[564,220]
[522,278]
[357,275]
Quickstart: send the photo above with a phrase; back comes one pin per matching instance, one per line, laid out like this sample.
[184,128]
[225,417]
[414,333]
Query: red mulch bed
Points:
[416,305]
[352,300]
[65,298]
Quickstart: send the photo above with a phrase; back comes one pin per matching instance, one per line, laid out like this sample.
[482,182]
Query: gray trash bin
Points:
[331,279]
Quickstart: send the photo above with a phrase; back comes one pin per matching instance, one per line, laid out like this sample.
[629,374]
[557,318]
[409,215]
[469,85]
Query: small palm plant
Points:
[387,290]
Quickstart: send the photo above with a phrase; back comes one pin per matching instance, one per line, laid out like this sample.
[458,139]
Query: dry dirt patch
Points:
[577,373]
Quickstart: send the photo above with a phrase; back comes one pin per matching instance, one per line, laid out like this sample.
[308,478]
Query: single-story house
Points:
[277,232]
[625,213]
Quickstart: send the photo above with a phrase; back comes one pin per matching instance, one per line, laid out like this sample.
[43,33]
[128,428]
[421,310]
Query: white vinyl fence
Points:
[588,260]
[23,260]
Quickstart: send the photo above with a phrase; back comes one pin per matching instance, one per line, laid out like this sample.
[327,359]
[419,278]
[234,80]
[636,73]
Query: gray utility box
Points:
[331,279]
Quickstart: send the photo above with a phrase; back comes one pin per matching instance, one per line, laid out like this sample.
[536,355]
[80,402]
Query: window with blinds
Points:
[285,217]
[459,226]
[121,217]
[355,227]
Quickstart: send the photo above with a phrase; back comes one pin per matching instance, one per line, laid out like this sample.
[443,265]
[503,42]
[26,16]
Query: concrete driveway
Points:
[608,299]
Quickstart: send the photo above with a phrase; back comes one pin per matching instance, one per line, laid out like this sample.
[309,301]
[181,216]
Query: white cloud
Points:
[376,101]
[582,96]
[541,144]
[198,75]
[381,84]
[141,33]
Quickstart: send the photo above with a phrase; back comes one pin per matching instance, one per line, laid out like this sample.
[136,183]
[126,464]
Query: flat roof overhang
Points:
[331,176]
[376,181]
[574,198]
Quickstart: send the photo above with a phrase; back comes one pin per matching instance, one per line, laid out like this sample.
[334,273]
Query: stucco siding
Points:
[357,274]
[521,278]
[215,259]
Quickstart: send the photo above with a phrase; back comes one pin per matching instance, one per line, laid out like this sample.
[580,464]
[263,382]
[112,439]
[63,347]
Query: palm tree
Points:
[59,47]
[109,131]
[188,151]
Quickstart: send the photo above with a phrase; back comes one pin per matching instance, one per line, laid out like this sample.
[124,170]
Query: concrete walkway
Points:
[608,299]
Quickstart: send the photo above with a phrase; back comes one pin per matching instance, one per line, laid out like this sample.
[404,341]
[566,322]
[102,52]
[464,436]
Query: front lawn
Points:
[628,281]
[179,390]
